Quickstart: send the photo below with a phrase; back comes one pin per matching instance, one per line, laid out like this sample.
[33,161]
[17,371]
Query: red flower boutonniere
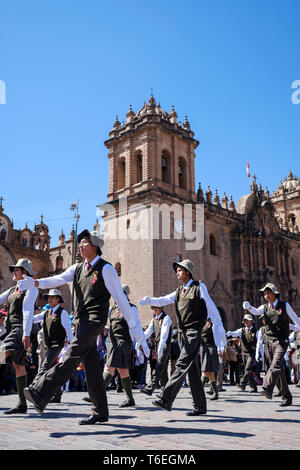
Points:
[280,311]
[95,277]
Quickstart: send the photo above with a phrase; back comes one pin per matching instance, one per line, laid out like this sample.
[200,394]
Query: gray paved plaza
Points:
[238,420]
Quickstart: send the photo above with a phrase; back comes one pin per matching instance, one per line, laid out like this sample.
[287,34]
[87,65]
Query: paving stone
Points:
[237,421]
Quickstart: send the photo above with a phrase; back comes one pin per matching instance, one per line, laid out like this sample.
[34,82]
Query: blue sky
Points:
[71,66]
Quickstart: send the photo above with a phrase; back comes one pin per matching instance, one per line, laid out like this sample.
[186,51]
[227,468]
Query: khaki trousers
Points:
[276,373]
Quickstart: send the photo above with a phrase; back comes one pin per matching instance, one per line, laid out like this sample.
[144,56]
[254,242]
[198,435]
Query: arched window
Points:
[118,268]
[165,167]
[182,173]
[59,263]
[3,235]
[212,245]
[121,173]
[138,168]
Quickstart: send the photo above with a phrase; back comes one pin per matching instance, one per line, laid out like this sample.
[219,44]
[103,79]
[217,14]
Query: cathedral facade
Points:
[151,169]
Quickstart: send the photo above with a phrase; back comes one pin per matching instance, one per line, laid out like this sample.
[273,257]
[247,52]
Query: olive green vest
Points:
[277,322]
[191,311]
[91,293]
[207,335]
[54,332]
[15,307]
[249,341]
[157,324]
[119,329]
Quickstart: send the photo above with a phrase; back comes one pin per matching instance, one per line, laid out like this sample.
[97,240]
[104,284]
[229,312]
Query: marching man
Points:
[248,334]
[277,315]
[57,330]
[160,325]
[95,281]
[193,305]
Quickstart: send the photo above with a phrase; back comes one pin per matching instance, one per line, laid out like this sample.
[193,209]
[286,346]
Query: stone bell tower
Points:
[151,161]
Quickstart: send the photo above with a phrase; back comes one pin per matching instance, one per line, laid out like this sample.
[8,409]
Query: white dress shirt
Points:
[259,346]
[64,318]
[164,333]
[28,307]
[212,311]
[111,281]
[260,310]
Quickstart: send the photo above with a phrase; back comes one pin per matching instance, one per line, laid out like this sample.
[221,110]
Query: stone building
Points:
[22,243]
[151,170]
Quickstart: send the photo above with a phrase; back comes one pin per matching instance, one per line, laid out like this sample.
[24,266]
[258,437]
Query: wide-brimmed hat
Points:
[270,286]
[126,289]
[54,292]
[249,317]
[186,264]
[95,238]
[25,264]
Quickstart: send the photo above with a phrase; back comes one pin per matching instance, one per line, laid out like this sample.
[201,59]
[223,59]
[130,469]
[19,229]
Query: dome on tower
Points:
[290,183]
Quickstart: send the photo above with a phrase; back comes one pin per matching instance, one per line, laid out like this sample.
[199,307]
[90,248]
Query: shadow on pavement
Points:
[134,431]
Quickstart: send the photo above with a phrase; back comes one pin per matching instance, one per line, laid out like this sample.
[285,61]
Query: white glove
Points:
[246,305]
[27,283]
[228,333]
[145,301]
[256,358]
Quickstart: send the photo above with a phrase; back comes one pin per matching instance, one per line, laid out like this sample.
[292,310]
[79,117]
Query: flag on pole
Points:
[248,169]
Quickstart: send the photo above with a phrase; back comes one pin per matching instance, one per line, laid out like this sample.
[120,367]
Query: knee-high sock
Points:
[107,378]
[21,383]
[127,387]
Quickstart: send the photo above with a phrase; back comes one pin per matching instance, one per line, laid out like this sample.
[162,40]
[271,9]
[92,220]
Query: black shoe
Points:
[196,412]
[18,409]
[33,396]
[92,420]
[161,404]
[253,390]
[119,390]
[147,392]
[210,392]
[127,403]
[286,402]
[55,399]
[222,389]
[87,399]
[278,394]
[266,394]
[214,397]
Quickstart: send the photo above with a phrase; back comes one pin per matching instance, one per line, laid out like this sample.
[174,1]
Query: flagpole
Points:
[74,207]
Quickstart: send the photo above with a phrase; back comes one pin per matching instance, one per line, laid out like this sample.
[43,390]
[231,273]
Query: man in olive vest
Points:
[57,331]
[18,324]
[120,349]
[95,280]
[277,315]
[248,335]
[160,325]
[193,304]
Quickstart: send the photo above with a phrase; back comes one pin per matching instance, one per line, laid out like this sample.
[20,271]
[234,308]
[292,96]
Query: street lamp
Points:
[74,208]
